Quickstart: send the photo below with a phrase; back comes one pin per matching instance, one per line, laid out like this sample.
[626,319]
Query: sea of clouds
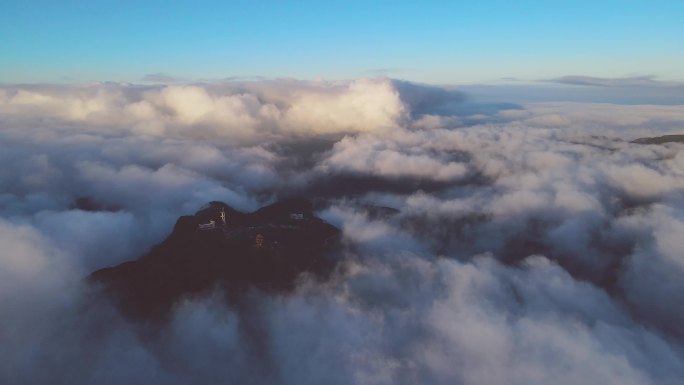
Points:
[530,243]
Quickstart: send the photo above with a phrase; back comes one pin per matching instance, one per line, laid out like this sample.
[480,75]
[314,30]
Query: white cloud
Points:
[530,246]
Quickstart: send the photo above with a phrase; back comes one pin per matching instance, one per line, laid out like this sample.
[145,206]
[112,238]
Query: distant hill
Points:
[265,250]
[661,139]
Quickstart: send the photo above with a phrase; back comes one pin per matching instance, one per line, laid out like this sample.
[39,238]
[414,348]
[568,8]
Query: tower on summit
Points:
[223,216]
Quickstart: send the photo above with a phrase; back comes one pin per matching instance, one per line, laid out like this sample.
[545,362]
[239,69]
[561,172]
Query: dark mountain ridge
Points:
[660,139]
[222,247]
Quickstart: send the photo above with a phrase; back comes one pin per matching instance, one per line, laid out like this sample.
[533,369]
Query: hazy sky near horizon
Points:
[435,41]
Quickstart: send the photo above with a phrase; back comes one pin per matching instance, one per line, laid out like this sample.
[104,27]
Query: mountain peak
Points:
[222,247]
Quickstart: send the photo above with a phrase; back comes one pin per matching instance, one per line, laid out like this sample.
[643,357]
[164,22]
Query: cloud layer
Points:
[486,243]
[633,81]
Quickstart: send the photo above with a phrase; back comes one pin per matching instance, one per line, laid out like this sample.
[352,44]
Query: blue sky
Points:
[435,41]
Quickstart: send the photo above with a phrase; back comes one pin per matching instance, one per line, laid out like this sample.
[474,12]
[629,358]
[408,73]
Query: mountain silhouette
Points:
[220,247]
[660,139]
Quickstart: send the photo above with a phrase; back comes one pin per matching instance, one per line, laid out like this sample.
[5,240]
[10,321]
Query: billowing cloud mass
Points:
[486,243]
